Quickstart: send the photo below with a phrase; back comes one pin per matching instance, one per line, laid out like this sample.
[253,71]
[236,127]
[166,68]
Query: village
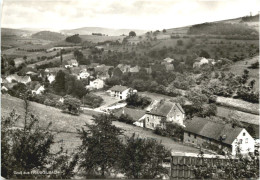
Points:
[200,132]
[99,102]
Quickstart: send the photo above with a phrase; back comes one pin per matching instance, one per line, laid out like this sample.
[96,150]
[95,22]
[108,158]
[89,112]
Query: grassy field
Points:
[96,39]
[238,68]
[242,116]
[239,105]
[68,125]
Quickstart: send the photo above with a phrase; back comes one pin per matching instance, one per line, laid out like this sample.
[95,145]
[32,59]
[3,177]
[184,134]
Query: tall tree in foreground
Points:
[143,159]
[101,147]
[24,149]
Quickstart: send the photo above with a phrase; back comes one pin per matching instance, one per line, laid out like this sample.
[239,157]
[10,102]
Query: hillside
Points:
[48,35]
[106,31]
[14,32]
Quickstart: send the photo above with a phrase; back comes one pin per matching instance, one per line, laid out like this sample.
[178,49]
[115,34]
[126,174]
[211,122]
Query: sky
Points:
[120,14]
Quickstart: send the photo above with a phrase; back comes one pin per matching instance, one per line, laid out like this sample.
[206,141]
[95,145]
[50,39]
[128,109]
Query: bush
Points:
[138,101]
[126,119]
[92,100]
[71,105]
[170,129]
[179,42]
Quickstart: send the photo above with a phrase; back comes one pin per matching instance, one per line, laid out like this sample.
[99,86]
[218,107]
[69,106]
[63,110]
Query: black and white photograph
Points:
[130,89]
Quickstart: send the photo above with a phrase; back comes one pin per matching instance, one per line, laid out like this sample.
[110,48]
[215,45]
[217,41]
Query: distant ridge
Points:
[48,35]
[106,31]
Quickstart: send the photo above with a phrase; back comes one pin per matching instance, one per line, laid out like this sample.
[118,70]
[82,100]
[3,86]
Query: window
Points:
[244,134]
[246,140]
[147,119]
[240,141]
[189,134]
[195,136]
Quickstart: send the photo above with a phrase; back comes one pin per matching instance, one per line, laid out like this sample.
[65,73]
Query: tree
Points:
[132,34]
[71,105]
[74,39]
[143,158]
[204,54]
[179,42]
[100,147]
[138,101]
[92,100]
[243,167]
[24,149]
[164,30]
[59,83]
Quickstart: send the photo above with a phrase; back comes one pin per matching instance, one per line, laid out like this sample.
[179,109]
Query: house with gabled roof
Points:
[95,84]
[164,111]
[137,115]
[120,92]
[102,71]
[124,68]
[71,63]
[168,60]
[134,69]
[202,132]
[20,79]
[38,89]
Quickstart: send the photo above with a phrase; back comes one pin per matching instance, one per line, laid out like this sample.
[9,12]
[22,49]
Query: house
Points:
[96,84]
[103,71]
[201,60]
[148,70]
[71,63]
[79,73]
[38,89]
[137,115]
[20,79]
[83,75]
[166,111]
[124,68]
[134,69]
[120,92]
[18,62]
[204,132]
[7,86]
[168,60]
[51,73]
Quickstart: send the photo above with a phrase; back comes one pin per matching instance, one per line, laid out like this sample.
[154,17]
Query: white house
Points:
[168,60]
[20,79]
[83,75]
[71,63]
[38,89]
[96,84]
[51,77]
[204,132]
[120,92]
[201,60]
[164,111]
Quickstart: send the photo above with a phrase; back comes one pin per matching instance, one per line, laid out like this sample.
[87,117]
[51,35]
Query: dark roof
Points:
[119,88]
[163,108]
[135,114]
[213,130]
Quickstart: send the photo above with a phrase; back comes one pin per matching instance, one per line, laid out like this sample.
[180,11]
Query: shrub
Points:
[92,100]
[71,105]
[138,101]
[126,119]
